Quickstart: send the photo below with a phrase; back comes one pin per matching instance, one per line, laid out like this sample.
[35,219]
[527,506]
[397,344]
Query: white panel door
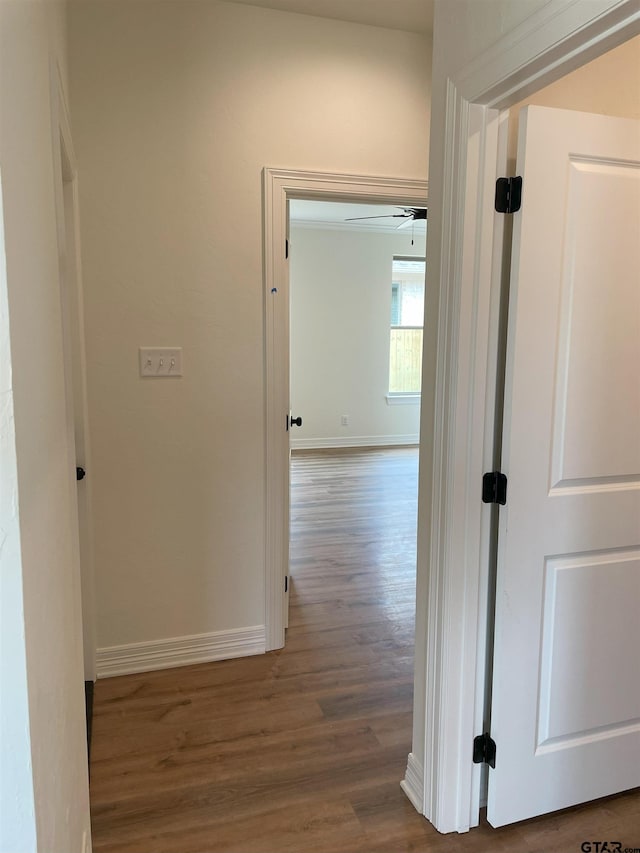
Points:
[566,681]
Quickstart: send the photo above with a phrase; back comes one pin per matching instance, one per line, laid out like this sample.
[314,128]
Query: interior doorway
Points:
[594,126]
[280,189]
[357,276]
[444,796]
[357,311]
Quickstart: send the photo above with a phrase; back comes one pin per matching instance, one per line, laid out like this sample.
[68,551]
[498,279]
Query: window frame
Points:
[403,398]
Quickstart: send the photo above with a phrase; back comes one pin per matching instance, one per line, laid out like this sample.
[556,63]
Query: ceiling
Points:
[328,213]
[415,16]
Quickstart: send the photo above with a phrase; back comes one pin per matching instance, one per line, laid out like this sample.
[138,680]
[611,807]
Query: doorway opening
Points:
[281,188]
[464,230]
[357,307]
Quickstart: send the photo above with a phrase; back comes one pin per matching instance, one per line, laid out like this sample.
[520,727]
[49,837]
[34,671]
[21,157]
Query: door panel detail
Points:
[597,421]
[581,692]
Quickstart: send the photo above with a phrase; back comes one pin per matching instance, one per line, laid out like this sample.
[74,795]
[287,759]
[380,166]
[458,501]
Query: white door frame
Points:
[68,228]
[279,186]
[457,417]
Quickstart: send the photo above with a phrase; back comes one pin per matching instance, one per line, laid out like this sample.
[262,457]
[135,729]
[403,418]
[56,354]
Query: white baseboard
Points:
[180,651]
[413,783]
[354,441]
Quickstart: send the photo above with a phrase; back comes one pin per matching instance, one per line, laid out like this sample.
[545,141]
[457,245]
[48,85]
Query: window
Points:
[407,318]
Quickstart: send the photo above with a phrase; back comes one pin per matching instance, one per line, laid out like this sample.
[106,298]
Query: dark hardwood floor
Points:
[302,750]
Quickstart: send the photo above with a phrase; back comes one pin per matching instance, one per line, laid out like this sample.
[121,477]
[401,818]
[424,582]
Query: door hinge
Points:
[508,194]
[484,750]
[286,583]
[494,488]
[286,249]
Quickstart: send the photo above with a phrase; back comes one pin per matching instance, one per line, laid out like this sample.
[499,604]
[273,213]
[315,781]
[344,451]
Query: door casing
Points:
[279,187]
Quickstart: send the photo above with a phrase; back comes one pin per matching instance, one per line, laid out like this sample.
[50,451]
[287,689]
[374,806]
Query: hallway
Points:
[303,749]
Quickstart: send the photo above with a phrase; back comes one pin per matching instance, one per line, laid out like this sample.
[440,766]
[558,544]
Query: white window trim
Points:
[403,398]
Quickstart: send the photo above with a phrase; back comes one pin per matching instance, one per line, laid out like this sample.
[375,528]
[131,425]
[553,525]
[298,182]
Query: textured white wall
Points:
[340,315]
[176,109]
[44,794]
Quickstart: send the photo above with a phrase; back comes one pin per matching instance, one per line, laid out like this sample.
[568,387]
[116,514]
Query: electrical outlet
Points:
[160,361]
[344,420]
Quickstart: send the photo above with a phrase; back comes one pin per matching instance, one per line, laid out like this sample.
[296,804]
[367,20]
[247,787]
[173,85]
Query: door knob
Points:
[80,473]
[296,421]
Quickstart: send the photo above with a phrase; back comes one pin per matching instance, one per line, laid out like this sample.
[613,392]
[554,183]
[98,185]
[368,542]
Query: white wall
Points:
[340,315]
[176,109]
[44,794]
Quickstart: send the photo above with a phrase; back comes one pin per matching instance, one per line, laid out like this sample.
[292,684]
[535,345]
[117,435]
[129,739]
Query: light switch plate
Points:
[160,361]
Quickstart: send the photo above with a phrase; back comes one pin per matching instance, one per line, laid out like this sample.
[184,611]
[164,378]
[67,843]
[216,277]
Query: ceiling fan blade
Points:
[384,216]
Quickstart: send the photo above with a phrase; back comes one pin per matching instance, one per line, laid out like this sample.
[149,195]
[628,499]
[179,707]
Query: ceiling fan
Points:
[409,216]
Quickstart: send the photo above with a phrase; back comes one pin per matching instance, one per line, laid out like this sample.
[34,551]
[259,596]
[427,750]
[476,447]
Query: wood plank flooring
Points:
[302,750]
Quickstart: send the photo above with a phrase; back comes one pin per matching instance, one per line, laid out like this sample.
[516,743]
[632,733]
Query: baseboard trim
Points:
[413,783]
[354,441]
[180,651]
